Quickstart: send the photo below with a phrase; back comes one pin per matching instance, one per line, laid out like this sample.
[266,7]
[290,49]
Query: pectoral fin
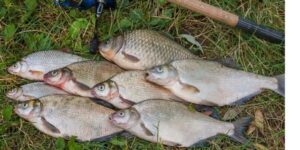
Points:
[187,88]
[131,57]
[146,130]
[49,126]
[36,73]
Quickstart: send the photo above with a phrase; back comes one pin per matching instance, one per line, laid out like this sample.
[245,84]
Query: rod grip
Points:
[260,31]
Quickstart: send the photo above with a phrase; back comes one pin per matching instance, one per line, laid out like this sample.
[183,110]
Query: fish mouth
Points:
[11,70]
[150,76]
[112,120]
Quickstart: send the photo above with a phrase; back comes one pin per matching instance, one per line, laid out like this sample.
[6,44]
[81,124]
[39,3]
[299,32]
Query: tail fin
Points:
[239,128]
[281,85]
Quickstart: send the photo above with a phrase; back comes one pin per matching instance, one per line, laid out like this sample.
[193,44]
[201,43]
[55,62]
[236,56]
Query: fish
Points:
[35,65]
[211,83]
[79,78]
[172,123]
[68,116]
[143,49]
[130,87]
[34,90]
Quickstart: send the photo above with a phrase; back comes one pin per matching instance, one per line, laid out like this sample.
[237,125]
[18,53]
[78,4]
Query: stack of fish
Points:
[152,81]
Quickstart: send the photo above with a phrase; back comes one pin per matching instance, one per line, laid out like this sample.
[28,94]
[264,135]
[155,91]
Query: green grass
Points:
[31,25]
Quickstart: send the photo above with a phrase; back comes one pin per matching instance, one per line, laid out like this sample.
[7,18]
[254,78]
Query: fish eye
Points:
[54,73]
[122,114]
[101,87]
[159,69]
[25,105]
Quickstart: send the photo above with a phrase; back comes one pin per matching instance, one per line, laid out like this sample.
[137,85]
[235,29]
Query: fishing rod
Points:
[231,20]
[194,5]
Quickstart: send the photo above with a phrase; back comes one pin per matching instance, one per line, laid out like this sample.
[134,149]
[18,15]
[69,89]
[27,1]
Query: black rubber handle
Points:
[260,31]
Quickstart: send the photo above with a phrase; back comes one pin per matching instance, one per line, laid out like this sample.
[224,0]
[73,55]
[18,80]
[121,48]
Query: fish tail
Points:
[239,128]
[281,84]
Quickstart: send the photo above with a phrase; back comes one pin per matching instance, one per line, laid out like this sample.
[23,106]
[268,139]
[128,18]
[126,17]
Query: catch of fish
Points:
[151,78]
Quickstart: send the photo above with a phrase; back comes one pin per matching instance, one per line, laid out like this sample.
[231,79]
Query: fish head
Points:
[106,90]
[163,75]
[15,93]
[28,109]
[125,118]
[109,49]
[58,76]
[18,68]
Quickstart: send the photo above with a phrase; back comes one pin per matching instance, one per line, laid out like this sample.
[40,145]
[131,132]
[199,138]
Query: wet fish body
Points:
[78,78]
[130,87]
[172,123]
[211,83]
[35,65]
[143,49]
[66,116]
[34,90]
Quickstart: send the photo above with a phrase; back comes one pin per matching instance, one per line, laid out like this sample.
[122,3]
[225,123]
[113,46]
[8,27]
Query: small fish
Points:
[33,91]
[211,83]
[78,78]
[128,88]
[173,124]
[67,116]
[35,65]
[143,49]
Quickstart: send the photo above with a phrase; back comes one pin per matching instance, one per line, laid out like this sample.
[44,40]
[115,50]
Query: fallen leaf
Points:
[259,120]
[232,113]
[260,147]
[192,40]
[251,128]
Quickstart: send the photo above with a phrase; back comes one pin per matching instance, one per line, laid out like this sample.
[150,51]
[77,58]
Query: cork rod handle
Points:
[208,10]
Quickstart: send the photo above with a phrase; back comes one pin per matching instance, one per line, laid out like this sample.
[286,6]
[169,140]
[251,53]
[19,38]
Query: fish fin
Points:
[131,57]
[239,128]
[281,84]
[103,103]
[201,143]
[245,99]
[189,88]
[127,101]
[171,143]
[82,86]
[208,110]
[146,130]
[38,73]
[229,62]
[107,137]
[49,126]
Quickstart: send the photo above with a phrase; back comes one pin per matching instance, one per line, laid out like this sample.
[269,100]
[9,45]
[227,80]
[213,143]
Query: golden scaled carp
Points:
[211,83]
[173,124]
[143,49]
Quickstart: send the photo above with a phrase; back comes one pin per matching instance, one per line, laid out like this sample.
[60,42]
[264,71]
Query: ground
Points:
[32,25]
